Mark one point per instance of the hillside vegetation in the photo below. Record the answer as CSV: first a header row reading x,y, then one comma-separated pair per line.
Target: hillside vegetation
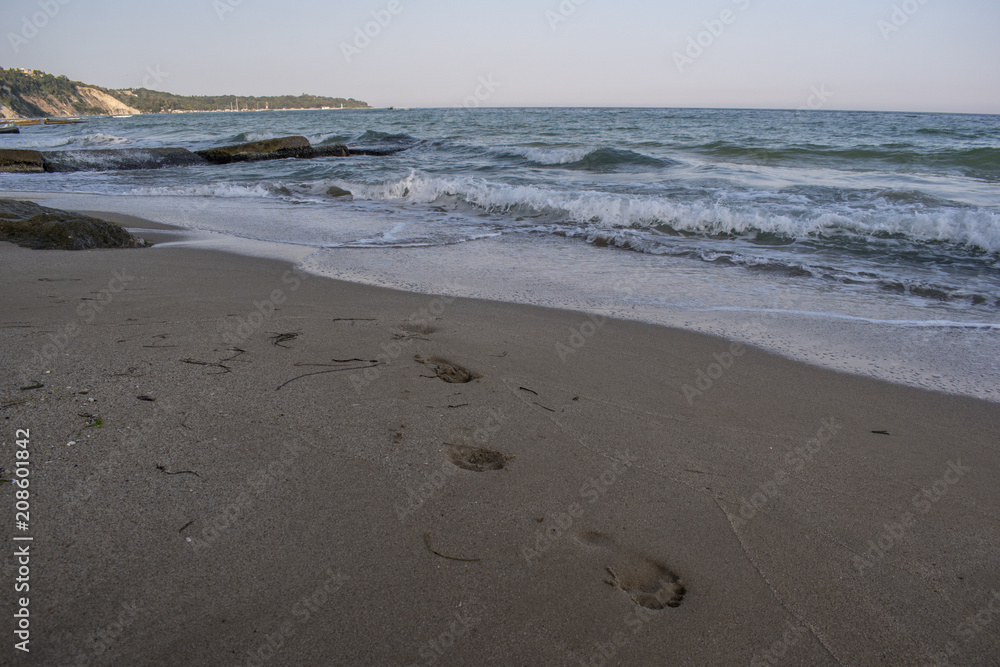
x,y
33,93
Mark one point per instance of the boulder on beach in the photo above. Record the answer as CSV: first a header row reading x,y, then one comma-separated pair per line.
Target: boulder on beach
x,y
269,149
32,226
16,161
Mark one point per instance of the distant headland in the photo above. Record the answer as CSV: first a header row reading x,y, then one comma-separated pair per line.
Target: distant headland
x,y
26,93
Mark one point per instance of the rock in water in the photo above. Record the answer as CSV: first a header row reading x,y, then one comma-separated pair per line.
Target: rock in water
x,y
334,191
106,159
32,226
330,150
269,149
14,161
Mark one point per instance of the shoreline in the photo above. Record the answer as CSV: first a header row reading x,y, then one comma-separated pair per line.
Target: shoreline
x,y
301,488
948,355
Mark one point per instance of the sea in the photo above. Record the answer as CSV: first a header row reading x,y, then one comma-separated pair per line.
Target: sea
x,y
863,242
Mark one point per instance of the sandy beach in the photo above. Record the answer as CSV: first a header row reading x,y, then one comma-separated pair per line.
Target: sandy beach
x,y
236,463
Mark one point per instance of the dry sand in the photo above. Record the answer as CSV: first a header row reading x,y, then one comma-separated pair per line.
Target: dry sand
x,y
572,504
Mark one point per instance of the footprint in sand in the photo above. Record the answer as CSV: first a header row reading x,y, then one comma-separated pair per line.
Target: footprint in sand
x,y
649,583
448,371
477,459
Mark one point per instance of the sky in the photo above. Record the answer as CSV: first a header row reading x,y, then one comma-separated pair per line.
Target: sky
x,y
891,55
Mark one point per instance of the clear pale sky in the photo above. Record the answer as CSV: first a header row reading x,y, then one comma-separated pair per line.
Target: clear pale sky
x,y
945,56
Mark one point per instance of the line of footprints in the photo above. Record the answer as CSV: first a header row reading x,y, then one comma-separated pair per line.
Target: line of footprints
x,y
649,583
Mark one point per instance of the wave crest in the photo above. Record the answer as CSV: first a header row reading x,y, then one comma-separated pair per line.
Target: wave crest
x,y
585,159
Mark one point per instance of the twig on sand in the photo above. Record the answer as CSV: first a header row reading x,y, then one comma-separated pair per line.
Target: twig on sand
x,y
543,407
332,370
427,543
37,385
278,339
161,337
220,363
303,364
179,472
353,319
881,433
408,336
530,391
187,525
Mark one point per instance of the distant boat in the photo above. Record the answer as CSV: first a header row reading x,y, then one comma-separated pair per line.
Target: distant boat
x,y
10,129
123,115
29,121
62,121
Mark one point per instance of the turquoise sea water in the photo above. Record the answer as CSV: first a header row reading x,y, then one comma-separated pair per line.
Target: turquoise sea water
x,y
868,242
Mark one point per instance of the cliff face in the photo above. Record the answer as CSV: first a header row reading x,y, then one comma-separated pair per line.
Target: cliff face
x,y
85,101
31,93
101,100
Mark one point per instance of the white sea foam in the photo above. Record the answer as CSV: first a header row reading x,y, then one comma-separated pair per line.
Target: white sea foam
x,y
215,189
98,140
547,156
968,226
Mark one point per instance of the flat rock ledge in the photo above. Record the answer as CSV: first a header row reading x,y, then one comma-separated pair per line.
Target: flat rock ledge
x,y
272,149
15,161
32,226
113,159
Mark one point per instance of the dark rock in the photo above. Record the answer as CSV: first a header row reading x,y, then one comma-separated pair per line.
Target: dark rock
x,y
15,161
269,149
378,151
107,159
32,226
334,191
331,150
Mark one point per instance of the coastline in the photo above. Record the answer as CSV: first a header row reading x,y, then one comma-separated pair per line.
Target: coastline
x,y
327,513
